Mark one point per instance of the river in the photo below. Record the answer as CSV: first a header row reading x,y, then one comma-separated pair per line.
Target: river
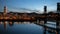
x,y
23,28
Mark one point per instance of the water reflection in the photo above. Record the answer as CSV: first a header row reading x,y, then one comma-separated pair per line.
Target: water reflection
x,y
11,23
57,27
5,24
42,29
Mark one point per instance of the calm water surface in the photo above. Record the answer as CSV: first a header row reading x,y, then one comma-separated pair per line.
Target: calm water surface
x,y
22,28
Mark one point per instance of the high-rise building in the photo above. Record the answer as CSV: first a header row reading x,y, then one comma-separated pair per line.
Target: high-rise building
x,y
45,9
58,7
5,10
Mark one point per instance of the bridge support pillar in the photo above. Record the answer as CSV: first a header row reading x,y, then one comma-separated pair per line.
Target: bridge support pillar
x,y
57,27
44,30
45,21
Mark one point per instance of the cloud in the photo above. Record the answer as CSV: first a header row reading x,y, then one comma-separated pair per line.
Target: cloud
x,y
22,10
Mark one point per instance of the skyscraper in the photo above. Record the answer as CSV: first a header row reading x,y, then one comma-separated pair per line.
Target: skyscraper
x,y
58,7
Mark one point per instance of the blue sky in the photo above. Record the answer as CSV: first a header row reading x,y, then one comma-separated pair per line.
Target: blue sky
x,y
29,4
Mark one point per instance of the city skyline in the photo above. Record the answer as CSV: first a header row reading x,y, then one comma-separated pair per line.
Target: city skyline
x,y
35,5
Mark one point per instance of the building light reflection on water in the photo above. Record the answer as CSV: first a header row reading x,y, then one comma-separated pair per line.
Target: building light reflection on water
x,y
12,23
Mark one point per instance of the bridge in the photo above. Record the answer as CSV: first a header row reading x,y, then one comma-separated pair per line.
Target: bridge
x,y
16,16
34,17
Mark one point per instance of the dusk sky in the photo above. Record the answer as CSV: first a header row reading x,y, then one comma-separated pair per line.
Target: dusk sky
x,y
29,4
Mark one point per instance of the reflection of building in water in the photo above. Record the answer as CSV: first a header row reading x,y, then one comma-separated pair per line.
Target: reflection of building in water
x,y
11,23
58,7
5,24
1,23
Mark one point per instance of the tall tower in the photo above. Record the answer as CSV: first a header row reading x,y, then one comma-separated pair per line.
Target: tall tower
x,y
45,9
5,10
58,7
